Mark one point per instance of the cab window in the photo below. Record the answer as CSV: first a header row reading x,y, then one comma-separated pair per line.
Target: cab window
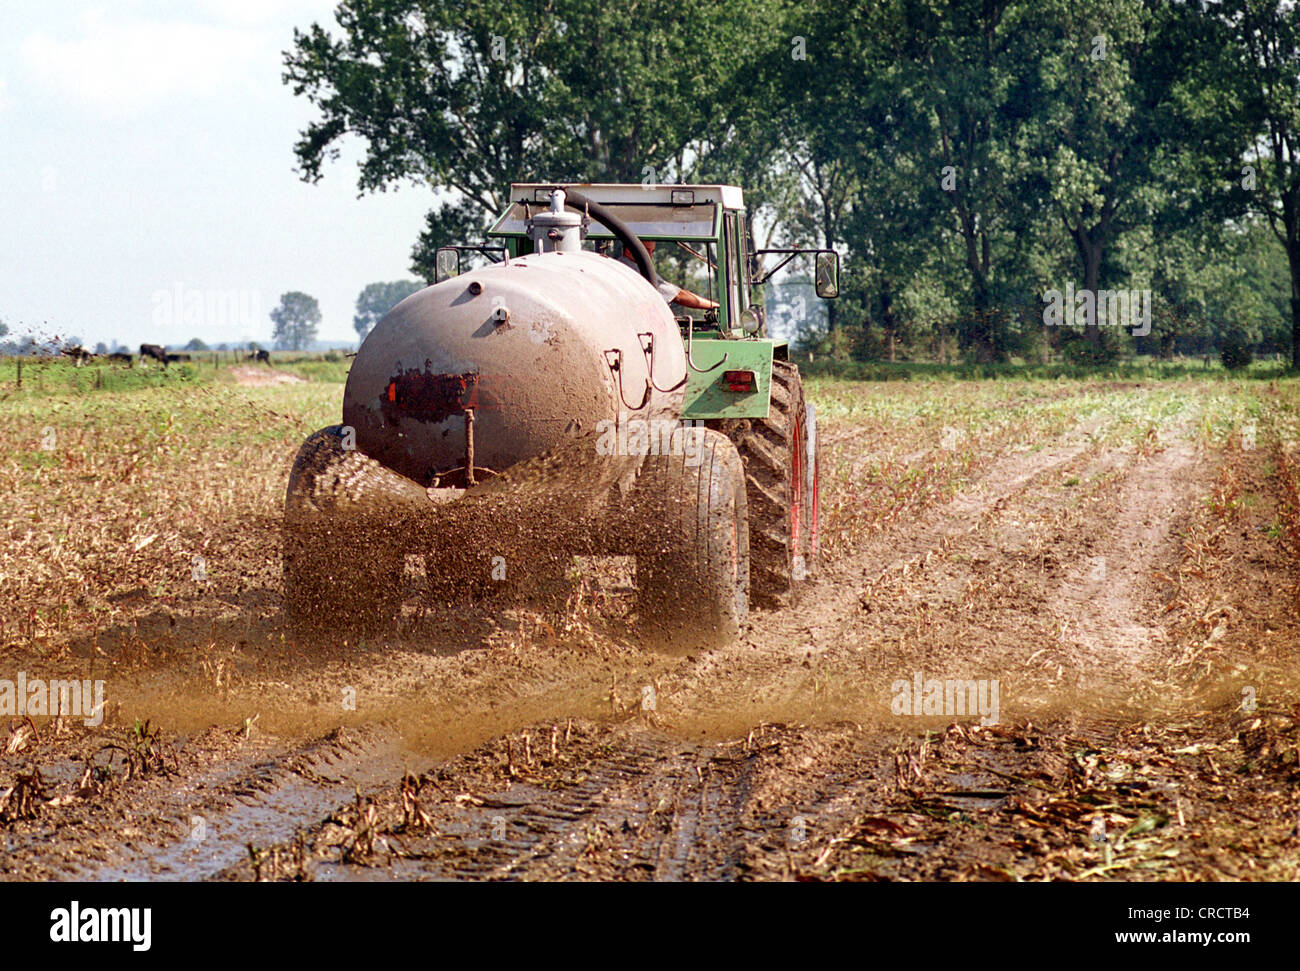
x,y
736,295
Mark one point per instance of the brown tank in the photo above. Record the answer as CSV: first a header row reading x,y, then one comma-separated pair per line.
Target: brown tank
x,y
506,361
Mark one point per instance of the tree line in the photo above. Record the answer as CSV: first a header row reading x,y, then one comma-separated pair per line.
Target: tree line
x,y
297,317
969,157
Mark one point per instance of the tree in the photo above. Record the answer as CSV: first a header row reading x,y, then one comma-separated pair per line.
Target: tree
x,y
469,96
196,344
1266,34
911,159
296,320
1130,120
379,298
977,63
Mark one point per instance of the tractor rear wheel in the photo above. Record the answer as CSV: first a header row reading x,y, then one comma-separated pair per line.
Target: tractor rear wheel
x,y
692,576
782,489
339,576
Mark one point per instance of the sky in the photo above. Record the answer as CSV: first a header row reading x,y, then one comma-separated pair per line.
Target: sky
x,y
147,183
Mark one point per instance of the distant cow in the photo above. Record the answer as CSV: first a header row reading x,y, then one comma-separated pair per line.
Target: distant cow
x,y
172,358
263,356
121,357
156,351
78,354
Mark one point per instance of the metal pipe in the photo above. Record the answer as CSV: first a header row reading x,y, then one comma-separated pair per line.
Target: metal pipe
x,y
630,241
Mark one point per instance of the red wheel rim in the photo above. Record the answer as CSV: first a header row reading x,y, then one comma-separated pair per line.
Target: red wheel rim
x,y
796,496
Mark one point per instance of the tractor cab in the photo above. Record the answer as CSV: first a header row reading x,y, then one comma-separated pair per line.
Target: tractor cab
x,y
693,224
705,245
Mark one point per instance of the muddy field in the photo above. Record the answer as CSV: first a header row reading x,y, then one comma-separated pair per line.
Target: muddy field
x,y
1114,565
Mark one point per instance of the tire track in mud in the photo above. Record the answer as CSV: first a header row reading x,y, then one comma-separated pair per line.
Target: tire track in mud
x,y
1107,611
1012,599
610,803
262,806
193,824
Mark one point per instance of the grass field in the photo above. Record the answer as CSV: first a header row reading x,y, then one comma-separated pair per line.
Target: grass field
x,y
58,375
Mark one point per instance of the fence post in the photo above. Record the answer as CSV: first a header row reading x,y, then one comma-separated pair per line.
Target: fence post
x,y
20,371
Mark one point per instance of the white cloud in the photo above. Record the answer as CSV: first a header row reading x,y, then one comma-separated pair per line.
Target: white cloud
x,y
130,65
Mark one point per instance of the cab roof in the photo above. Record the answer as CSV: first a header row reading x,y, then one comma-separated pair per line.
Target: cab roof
x,y
683,212
729,196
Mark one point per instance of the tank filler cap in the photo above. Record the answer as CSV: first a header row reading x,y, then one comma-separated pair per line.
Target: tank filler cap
x,y
556,230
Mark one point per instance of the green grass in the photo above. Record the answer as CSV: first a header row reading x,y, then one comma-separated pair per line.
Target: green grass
x,y
45,376
1137,369
329,368
53,376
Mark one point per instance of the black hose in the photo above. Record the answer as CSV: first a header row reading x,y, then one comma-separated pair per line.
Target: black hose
x,y
631,243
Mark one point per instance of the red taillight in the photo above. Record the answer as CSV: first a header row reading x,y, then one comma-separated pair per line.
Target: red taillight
x,y
742,381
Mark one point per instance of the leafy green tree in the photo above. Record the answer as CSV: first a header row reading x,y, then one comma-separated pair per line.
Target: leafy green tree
x,y
926,100
1266,36
296,320
1121,122
196,344
468,96
379,298
803,143
967,70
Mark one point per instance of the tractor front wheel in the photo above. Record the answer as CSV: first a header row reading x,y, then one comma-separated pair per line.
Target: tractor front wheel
x,y
779,453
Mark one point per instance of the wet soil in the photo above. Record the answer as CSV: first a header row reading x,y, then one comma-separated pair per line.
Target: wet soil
x,y
1126,609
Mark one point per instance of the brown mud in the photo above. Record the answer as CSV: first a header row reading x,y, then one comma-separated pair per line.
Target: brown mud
x,y
1134,597
261,376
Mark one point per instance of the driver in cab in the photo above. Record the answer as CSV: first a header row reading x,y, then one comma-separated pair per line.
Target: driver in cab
x,y
670,291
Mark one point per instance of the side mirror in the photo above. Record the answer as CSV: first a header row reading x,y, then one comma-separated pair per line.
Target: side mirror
x,y
446,263
828,274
